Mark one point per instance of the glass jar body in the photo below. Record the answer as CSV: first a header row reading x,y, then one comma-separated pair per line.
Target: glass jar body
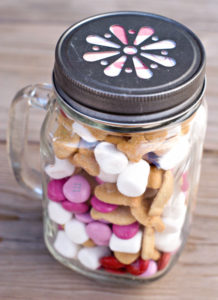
x,y
117,206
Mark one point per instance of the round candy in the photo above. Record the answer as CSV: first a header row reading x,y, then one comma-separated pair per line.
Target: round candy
x,y
138,267
163,261
110,262
126,231
85,218
151,270
75,207
100,233
77,189
55,190
102,206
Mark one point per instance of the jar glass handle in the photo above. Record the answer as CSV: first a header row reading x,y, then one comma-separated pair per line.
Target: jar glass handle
x,y
36,96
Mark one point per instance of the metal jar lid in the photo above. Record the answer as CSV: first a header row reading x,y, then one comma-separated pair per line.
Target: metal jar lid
x,y
129,67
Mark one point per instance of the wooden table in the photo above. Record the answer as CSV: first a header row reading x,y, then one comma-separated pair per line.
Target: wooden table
x,y
29,31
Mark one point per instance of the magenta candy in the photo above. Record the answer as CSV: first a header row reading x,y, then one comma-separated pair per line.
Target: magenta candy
x,y
151,270
102,206
84,218
75,207
99,180
126,231
100,233
55,189
77,189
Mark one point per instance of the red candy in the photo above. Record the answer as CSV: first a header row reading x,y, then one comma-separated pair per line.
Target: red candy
x,y
163,261
120,271
111,263
138,267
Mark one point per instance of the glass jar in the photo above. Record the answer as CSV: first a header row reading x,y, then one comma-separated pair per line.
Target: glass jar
x,y
121,145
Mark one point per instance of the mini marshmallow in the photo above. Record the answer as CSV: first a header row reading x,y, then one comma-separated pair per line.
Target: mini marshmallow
x,y
60,169
90,257
85,145
83,132
132,182
64,246
112,178
110,159
167,242
76,231
175,155
57,213
132,245
175,207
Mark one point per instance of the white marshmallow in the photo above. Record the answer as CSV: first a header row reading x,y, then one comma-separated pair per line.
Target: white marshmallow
x,y
174,225
57,213
110,159
132,245
175,207
90,257
132,182
60,169
167,242
64,246
175,155
76,231
83,132
107,177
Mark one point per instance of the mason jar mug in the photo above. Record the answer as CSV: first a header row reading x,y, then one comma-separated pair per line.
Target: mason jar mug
x,y
121,144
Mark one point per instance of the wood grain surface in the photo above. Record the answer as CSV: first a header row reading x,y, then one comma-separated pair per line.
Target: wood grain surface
x,y
29,30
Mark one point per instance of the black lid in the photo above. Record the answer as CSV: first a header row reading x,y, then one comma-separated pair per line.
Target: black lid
x,y
129,63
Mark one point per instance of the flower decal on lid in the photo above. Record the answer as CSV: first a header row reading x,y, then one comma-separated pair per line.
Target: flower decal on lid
x,y
136,51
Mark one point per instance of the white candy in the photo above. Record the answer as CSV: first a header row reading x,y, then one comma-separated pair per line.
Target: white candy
x,y
76,231
64,246
110,159
132,245
175,155
167,242
107,177
132,182
83,132
57,213
90,257
60,169
175,207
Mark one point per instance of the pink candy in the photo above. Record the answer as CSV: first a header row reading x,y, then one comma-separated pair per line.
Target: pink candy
x,y
151,270
126,231
75,207
77,189
84,218
55,189
102,206
100,233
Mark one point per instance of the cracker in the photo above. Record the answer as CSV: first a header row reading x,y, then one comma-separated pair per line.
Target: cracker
x,y
126,258
140,213
86,160
64,143
108,192
65,122
119,216
155,178
156,255
113,139
185,126
89,243
97,133
163,195
136,147
148,243
156,135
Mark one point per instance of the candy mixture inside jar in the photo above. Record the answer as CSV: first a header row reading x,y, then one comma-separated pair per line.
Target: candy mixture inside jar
x,y
119,202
